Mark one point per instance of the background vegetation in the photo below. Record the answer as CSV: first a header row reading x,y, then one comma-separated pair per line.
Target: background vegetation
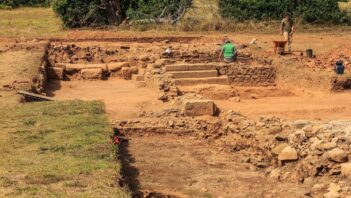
x,y
93,13
200,15
310,11
16,3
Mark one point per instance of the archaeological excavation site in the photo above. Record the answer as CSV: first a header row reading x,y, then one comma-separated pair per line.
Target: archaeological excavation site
x,y
188,125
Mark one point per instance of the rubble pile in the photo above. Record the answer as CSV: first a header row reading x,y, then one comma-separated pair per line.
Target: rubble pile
x,y
328,60
301,151
71,53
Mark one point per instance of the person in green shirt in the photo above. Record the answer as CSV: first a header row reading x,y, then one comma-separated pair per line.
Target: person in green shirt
x,y
228,52
287,29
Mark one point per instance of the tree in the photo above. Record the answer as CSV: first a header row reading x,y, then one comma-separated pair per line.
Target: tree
x,y
92,13
114,12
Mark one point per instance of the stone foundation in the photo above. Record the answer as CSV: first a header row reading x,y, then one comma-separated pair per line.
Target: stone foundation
x,y
249,75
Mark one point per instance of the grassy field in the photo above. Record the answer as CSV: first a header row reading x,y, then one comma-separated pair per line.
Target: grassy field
x,y
57,149
29,22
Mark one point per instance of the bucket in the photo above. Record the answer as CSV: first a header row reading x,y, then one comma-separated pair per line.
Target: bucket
x,y
339,68
309,53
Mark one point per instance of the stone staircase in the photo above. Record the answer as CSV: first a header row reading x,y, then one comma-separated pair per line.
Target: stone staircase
x,y
194,74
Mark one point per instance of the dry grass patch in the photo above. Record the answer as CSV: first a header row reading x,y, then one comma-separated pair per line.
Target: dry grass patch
x,y
29,22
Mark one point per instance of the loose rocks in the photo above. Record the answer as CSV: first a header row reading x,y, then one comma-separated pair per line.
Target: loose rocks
x,y
336,155
288,154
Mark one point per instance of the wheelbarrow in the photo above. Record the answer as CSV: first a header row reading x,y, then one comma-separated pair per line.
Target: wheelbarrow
x,y
279,47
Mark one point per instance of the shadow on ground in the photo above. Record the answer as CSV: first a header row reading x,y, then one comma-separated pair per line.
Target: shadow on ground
x,y
129,172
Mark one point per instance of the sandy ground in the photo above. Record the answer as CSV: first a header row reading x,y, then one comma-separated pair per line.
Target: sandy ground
x,y
123,99
305,107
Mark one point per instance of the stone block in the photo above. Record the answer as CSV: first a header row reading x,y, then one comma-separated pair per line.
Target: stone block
x,y
346,170
75,67
137,77
279,148
60,65
97,66
141,71
91,74
133,61
198,108
142,64
55,73
288,154
113,67
126,73
336,155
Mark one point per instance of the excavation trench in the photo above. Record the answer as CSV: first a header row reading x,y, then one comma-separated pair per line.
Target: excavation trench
x,y
176,156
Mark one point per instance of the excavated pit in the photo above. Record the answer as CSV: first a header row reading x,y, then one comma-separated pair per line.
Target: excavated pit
x,y
195,157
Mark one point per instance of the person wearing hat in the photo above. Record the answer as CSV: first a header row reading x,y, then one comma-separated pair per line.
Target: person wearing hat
x,y
228,52
287,29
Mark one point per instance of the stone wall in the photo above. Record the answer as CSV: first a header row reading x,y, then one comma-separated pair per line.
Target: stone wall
x,y
249,75
39,82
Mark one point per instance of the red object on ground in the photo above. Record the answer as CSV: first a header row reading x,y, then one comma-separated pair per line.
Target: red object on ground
x,y
279,46
116,140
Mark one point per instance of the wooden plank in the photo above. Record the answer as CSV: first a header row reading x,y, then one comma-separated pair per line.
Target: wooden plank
x,y
35,96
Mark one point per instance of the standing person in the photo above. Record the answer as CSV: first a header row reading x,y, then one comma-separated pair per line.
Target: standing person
x,y
228,52
287,29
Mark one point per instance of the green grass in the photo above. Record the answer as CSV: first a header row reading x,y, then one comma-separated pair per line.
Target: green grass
x,y
57,149
29,22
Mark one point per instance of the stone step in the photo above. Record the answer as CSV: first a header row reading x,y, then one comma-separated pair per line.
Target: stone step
x,y
194,74
138,77
190,67
221,80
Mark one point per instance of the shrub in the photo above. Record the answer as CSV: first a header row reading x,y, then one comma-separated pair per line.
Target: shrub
x,y
80,13
16,3
320,11
151,9
8,3
311,11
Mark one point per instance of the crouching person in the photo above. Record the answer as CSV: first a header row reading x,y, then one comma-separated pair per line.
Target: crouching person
x,y
228,52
